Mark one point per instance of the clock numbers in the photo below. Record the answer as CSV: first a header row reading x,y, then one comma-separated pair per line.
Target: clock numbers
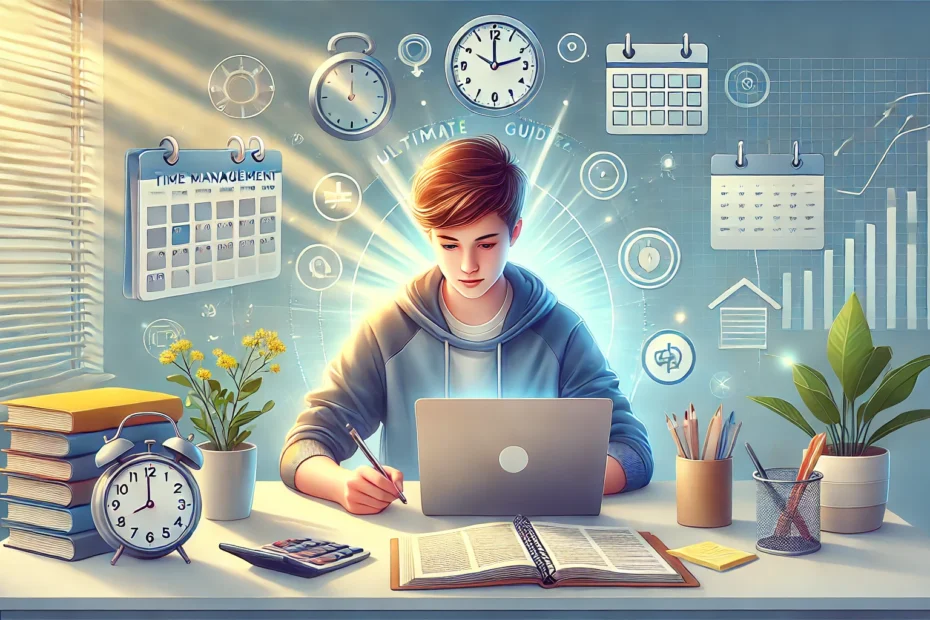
x,y
144,501
494,65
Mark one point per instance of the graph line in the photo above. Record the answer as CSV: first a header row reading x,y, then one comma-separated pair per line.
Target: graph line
x,y
885,154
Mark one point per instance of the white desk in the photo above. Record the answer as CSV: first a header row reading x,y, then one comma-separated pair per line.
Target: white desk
x,y
884,574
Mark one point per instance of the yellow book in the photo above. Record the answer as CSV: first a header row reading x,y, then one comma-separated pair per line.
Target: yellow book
x,y
713,556
90,410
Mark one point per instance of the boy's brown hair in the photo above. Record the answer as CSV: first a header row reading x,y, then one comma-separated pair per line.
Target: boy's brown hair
x,y
465,180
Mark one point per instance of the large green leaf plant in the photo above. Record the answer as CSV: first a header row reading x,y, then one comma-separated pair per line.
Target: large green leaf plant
x,y
857,364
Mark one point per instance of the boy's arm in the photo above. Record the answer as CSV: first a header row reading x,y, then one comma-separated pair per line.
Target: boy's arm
x,y
585,374
353,393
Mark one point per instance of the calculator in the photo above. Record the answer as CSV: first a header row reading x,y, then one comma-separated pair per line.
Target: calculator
x,y
658,91
303,557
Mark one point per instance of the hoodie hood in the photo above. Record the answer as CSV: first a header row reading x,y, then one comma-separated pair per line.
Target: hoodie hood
x,y
531,301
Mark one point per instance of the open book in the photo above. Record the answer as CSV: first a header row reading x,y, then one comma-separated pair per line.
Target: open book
x,y
548,554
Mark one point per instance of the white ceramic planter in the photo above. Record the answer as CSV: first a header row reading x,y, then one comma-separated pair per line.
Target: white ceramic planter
x,y
227,481
854,491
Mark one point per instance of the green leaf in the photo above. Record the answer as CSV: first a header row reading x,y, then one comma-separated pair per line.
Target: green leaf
x,y
815,393
244,418
180,380
268,406
899,421
895,387
250,387
239,439
823,380
785,410
849,345
214,386
204,429
875,363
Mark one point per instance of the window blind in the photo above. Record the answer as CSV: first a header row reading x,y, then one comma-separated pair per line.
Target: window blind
x,y
51,215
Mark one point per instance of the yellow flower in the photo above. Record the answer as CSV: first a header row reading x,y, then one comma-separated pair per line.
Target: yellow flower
x,y
249,341
180,345
260,333
227,362
167,357
203,374
218,352
196,356
275,368
276,346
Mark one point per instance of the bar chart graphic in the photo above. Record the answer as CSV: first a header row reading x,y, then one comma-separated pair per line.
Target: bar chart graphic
x,y
902,236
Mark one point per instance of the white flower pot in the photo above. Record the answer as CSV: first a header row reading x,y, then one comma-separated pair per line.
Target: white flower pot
x,y
854,491
227,481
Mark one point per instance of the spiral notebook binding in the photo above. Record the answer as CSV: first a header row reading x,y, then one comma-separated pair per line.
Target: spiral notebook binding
x,y
537,552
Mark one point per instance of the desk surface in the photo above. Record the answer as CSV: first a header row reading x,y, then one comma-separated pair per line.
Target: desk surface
x,y
884,570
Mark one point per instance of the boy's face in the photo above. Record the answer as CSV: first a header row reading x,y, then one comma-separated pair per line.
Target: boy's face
x,y
472,257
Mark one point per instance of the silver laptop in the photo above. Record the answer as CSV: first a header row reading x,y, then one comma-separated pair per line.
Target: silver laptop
x,y
530,456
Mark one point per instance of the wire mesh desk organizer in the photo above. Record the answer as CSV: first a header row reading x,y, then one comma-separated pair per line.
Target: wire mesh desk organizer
x,y
787,512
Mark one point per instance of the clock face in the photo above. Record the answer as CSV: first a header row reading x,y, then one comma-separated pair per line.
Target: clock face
x,y
495,67
352,96
150,504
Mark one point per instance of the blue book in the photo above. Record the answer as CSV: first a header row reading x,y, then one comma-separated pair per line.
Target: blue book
x,y
49,516
62,445
72,469
69,547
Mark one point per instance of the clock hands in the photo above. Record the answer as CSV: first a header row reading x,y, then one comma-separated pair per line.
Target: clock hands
x,y
507,62
494,53
148,500
352,90
490,62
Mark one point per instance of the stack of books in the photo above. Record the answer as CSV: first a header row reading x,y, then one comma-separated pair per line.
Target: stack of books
x,y
50,465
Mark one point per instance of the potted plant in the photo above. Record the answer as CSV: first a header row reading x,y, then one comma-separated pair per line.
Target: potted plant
x,y
227,479
855,471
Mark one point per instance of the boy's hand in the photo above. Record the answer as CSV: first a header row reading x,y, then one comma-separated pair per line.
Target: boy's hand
x,y
367,492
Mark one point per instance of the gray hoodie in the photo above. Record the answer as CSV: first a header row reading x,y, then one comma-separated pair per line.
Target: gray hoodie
x,y
401,354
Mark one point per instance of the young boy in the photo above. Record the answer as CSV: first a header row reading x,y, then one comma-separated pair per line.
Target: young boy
x,y
473,326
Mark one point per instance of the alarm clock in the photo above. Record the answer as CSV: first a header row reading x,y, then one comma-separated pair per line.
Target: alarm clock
x,y
495,65
147,504
351,93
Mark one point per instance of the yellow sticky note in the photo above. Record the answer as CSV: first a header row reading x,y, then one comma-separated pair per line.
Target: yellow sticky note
x,y
713,556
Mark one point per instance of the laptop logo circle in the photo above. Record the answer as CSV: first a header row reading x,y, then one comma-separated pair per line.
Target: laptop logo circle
x,y
513,459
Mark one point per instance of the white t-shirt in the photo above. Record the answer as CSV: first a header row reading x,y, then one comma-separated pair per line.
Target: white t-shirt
x,y
473,374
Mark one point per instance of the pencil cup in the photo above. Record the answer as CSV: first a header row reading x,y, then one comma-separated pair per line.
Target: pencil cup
x,y
704,492
787,512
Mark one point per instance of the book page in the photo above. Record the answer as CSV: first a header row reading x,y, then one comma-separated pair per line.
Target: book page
x,y
468,550
568,546
606,548
628,552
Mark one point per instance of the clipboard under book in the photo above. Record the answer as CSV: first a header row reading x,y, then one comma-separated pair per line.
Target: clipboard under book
x,y
641,548
201,219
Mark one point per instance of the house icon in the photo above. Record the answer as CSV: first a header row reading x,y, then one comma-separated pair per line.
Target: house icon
x,y
744,327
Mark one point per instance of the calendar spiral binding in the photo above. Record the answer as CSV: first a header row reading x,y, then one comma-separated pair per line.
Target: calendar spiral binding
x,y
629,52
535,547
796,160
173,150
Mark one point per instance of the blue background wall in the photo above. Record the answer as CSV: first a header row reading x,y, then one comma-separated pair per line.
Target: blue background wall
x,y
833,67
